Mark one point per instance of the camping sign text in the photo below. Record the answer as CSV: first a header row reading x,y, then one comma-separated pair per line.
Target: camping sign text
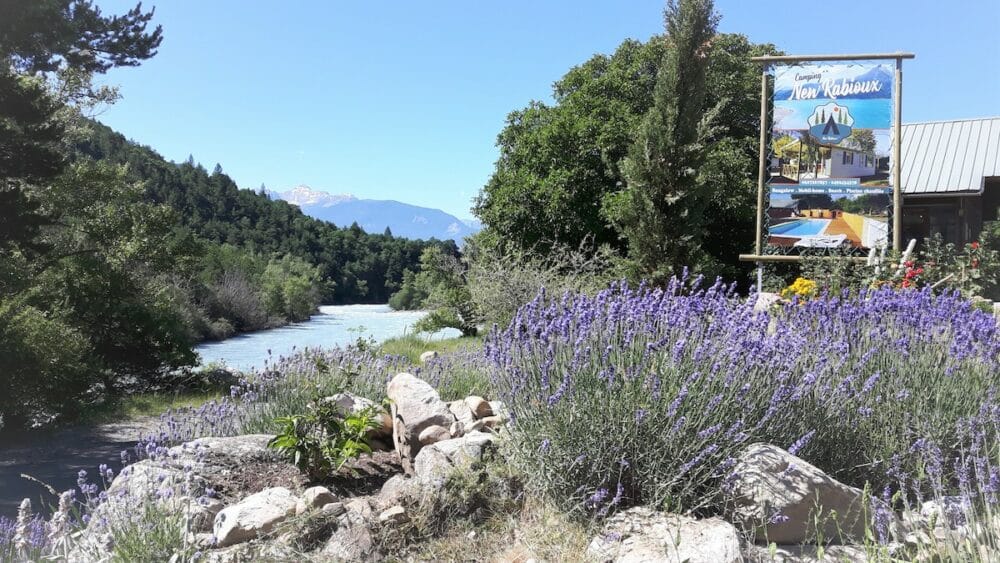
x,y
829,170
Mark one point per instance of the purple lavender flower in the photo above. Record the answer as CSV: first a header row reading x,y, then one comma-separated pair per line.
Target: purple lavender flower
x,y
802,442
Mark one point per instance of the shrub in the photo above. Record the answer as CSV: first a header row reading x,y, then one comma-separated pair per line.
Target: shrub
x,y
638,395
501,282
323,440
45,366
973,269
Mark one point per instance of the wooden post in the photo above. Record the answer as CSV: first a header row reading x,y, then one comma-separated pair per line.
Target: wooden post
x,y
762,171
897,151
762,164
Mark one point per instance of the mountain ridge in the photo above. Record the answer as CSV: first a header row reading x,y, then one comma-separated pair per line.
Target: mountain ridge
x,y
375,215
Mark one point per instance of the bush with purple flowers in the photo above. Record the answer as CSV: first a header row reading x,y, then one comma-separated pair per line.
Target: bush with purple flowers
x,y
640,395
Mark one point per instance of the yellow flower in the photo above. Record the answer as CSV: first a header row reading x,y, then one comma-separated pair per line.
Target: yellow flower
x,y
802,287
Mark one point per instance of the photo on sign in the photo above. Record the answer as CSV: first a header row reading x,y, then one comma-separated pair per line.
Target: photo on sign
x,y
830,152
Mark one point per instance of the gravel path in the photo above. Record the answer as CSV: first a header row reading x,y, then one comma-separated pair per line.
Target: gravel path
x,y
56,457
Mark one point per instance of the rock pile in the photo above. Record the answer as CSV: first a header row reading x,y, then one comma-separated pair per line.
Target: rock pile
x,y
781,506
196,480
420,418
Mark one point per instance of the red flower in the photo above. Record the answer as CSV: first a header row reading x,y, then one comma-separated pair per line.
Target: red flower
x,y
975,262
975,245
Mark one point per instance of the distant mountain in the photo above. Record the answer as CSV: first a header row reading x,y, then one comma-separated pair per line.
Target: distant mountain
x,y
374,215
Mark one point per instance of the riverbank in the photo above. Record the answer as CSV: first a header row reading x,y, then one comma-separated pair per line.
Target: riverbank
x,y
55,456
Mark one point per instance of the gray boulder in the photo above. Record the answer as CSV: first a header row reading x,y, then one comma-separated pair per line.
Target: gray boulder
x,y
254,516
435,461
781,498
642,534
416,406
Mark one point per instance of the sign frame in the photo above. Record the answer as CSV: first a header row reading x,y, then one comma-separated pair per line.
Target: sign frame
x,y
897,134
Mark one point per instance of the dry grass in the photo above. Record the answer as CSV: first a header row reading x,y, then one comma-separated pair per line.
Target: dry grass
x,y
537,531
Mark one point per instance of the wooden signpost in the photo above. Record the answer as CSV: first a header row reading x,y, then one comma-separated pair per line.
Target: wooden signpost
x,y
762,170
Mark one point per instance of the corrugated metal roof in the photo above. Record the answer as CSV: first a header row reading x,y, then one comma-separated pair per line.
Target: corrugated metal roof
x,y
950,156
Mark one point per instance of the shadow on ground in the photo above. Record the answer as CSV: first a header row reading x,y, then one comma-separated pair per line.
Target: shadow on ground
x,y
56,457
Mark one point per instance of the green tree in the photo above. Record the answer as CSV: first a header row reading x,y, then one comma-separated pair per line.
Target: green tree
x,y
441,287
291,287
863,139
662,210
559,162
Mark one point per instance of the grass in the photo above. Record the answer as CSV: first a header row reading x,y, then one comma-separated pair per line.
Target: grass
x,y
412,345
148,404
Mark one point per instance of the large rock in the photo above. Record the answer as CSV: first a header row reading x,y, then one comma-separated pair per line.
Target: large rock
x,y
781,498
435,461
642,534
416,406
805,554
215,458
353,404
176,481
254,516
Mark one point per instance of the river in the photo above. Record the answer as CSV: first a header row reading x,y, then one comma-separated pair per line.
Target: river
x,y
56,457
334,325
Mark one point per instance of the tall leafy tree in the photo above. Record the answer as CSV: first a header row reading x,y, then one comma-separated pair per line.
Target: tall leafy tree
x,y
70,310
559,163
662,210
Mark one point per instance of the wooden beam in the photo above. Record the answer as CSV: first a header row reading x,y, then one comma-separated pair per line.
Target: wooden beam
x,y
794,258
897,156
806,58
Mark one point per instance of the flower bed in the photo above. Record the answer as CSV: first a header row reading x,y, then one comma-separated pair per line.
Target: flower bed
x,y
641,395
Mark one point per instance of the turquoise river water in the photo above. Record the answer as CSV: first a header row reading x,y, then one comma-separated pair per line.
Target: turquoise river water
x,y
334,325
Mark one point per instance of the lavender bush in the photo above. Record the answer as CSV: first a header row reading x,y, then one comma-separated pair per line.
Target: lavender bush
x,y
287,385
639,395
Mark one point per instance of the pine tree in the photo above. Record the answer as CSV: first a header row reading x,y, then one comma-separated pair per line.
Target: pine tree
x,y
661,211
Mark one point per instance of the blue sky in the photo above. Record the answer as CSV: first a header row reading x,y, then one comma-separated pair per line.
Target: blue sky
x,y
403,100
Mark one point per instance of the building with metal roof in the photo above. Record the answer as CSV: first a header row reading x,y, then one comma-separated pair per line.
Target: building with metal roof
x,y
950,177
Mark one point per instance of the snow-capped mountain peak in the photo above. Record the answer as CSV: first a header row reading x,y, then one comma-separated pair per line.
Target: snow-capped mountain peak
x,y
303,195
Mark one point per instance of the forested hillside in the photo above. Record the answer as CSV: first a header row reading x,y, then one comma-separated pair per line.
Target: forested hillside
x,y
363,268
113,261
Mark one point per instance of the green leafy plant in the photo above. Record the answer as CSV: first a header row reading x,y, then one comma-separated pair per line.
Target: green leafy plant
x,y
322,441
972,269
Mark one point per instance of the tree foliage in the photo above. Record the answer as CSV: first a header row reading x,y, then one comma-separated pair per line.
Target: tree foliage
x,y
441,286
662,210
561,164
361,267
